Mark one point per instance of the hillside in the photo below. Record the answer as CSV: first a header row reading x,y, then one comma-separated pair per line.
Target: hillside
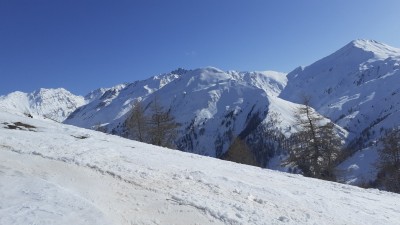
x,y
59,174
55,104
357,88
212,106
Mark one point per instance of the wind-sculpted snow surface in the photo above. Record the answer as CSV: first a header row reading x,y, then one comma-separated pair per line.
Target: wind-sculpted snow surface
x,y
59,174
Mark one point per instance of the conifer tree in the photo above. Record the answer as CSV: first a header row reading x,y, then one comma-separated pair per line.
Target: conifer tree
x,y
239,152
389,161
162,126
137,122
316,146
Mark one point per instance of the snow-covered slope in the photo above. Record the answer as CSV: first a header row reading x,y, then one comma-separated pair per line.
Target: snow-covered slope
x,y
212,106
108,105
55,104
357,87
354,86
52,173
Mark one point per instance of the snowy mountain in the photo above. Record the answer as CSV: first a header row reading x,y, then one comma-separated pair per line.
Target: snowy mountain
x,y
354,86
357,87
108,105
53,173
212,106
55,104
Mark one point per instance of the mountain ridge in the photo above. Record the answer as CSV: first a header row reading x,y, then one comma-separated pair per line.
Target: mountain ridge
x,y
200,99
354,87
55,104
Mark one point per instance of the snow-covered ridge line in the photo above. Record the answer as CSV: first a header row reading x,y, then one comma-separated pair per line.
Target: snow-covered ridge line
x,y
174,187
200,100
380,50
55,104
355,87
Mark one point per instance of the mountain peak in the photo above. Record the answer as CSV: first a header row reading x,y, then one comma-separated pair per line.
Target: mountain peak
x,y
44,91
380,50
179,71
353,54
363,42
55,104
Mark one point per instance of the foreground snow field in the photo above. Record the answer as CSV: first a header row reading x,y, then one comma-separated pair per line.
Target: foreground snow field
x,y
52,173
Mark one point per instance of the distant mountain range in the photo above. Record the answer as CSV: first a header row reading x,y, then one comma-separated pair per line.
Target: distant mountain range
x,y
357,88
55,104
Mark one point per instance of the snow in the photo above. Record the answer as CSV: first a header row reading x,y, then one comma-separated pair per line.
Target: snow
x,y
55,104
201,99
357,88
59,174
359,168
35,191
380,50
110,105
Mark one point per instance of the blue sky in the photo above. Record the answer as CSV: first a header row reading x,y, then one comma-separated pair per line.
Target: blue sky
x,y
82,45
